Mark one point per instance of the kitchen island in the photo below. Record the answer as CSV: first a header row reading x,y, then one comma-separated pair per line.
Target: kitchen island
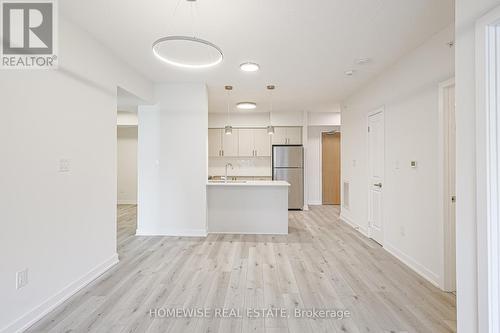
x,y
247,207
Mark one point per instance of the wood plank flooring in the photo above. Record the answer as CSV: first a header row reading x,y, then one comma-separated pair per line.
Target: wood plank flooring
x,y
322,264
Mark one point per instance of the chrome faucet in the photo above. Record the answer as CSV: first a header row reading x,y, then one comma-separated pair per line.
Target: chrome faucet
x,y
228,164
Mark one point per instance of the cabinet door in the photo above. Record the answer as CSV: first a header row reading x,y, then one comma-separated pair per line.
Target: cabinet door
x,y
279,136
214,142
294,135
230,143
246,144
262,142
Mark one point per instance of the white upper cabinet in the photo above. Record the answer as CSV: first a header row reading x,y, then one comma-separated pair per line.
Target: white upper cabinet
x,y
214,142
254,142
246,144
287,136
250,142
230,143
220,144
279,136
262,142
294,135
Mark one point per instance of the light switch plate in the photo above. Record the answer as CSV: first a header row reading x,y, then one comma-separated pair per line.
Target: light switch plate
x,y
64,165
21,279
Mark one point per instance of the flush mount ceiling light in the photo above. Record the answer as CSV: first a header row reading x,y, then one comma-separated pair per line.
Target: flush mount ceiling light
x,y
187,51
249,67
246,105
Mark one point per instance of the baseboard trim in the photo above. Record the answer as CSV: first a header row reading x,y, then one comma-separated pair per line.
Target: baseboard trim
x,y
173,232
30,318
413,264
355,226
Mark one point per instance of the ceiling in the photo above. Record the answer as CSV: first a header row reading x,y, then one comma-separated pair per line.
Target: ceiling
x,y
303,46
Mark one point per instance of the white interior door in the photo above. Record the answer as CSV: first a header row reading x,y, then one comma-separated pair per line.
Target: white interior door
x,y
376,156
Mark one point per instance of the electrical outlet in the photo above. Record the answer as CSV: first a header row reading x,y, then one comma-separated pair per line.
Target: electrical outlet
x,y
21,279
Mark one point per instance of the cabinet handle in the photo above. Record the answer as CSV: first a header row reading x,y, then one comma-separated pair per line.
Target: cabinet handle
x,y
256,153
223,153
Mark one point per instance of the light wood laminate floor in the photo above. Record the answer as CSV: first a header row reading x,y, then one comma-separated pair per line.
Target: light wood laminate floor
x,y
321,264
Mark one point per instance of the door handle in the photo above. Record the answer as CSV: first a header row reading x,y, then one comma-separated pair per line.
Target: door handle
x,y
379,185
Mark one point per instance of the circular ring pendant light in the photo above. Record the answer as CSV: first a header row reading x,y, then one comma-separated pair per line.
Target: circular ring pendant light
x,y
187,51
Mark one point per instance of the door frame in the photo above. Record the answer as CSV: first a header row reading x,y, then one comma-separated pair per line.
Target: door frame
x,y
487,168
444,191
380,110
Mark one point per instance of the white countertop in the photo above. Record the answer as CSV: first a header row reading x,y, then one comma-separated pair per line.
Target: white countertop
x,y
249,183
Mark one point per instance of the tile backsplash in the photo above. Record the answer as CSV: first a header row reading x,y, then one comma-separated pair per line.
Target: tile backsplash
x,y
243,167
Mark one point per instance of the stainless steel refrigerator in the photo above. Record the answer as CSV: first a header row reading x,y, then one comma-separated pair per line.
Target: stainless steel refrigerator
x,y
288,165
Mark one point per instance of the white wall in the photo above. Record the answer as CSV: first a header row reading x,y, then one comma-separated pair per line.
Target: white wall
x,y
173,141
60,226
314,172
127,164
323,119
409,92
467,12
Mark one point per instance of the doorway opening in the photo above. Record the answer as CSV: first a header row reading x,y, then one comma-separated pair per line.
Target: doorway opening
x,y
126,163
330,156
